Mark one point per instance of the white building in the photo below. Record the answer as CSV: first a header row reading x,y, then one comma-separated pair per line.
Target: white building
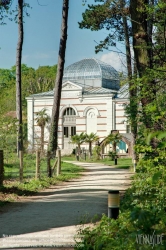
x,y
91,101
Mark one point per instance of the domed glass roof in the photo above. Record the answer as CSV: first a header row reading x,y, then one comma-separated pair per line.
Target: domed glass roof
x,y
91,69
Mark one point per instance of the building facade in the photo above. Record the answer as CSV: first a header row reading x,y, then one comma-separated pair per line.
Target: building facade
x,y
91,101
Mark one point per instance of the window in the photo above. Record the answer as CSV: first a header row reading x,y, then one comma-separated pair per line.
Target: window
x,y
73,131
66,132
69,111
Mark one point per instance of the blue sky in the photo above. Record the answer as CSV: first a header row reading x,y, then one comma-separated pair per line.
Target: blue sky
x,y
42,34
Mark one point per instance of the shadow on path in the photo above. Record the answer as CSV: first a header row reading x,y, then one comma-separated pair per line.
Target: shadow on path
x,y
65,205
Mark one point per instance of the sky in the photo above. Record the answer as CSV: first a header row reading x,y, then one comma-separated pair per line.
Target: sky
x,y
42,35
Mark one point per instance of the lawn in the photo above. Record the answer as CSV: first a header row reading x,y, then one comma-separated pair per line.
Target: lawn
x,y
12,188
125,163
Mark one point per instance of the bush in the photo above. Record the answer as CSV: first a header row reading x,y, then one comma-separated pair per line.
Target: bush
x,y
142,211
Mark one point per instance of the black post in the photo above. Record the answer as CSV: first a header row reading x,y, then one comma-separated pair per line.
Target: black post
x,y
113,204
116,160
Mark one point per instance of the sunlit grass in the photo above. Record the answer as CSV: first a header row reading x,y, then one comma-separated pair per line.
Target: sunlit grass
x,y
12,188
125,163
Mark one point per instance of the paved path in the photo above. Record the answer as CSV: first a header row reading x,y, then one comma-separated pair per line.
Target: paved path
x,y
53,216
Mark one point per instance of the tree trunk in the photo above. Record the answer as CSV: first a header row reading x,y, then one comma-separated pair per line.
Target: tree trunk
x,y
42,140
18,85
90,149
142,45
79,149
132,87
114,146
53,139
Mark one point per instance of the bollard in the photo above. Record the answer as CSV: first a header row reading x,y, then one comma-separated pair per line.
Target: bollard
x,y
116,160
113,204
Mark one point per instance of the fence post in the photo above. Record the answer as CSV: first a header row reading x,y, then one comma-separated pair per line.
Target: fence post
x,y
21,165
1,168
37,164
59,162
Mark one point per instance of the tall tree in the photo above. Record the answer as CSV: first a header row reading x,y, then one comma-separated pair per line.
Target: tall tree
x,y
18,85
113,16
53,138
142,26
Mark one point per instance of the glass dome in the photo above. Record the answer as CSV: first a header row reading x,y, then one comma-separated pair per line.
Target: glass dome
x,y
92,72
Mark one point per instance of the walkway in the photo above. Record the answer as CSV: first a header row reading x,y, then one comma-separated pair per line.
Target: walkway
x,y
53,217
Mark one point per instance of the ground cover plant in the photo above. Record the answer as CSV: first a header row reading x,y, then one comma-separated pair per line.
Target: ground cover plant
x,y
142,220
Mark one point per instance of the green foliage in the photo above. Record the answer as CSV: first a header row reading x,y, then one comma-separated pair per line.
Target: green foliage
x,y
78,140
8,131
42,118
106,15
142,210
112,155
113,138
90,139
33,81
97,152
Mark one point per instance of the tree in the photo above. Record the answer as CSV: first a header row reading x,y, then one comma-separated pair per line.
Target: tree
x,y
53,138
92,137
18,86
113,138
41,119
150,62
4,8
78,140
113,16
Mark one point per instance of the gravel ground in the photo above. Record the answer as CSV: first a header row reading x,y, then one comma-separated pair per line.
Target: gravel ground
x,y
52,218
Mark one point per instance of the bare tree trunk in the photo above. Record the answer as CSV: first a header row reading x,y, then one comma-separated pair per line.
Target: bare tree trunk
x,y
42,140
18,86
90,149
53,139
114,146
132,87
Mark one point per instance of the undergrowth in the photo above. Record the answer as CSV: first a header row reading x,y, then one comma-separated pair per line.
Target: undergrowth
x,y
142,215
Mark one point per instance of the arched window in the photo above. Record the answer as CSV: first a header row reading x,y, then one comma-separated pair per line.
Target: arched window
x,y
91,121
69,111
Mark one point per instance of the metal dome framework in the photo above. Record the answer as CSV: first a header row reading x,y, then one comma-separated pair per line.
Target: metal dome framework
x,y
92,69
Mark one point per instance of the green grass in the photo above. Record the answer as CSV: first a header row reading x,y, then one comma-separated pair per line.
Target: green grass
x,y
12,188
124,163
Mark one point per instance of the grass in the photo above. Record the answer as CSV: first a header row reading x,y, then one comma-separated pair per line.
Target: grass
x,y
12,188
124,163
